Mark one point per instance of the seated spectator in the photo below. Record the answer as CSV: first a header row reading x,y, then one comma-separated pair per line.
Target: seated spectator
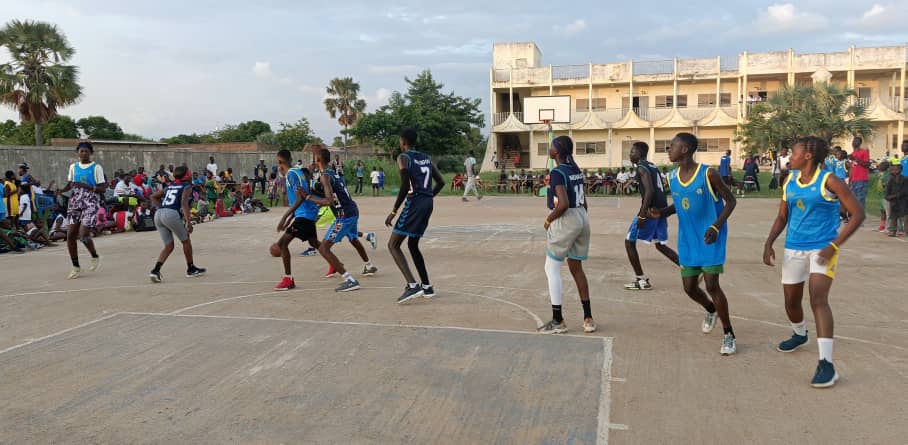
x,y
514,182
58,229
503,181
144,218
529,181
457,182
105,224
25,205
246,188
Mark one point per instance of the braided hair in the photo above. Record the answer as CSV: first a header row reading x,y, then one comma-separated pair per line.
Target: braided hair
x,y
564,146
819,148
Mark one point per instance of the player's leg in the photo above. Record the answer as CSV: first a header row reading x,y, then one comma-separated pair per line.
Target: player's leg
x,y
641,282
340,229
664,249
418,261
412,289
691,280
413,224
167,238
583,288
661,239
283,244
553,276
368,267
72,234
795,272
820,281
711,280
89,243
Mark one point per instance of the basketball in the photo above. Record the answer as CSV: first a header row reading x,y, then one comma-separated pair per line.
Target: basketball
x,y
275,250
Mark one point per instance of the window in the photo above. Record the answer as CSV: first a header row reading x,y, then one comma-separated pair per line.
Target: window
x,y
666,101
661,146
714,144
583,105
709,100
542,149
599,104
590,148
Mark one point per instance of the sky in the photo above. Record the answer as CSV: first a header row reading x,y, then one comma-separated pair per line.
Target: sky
x,y
167,67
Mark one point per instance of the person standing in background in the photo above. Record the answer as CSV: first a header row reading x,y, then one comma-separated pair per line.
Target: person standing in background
x,y
860,170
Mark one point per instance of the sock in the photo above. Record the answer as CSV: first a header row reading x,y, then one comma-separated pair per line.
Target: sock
x,y
288,276
412,285
75,262
369,264
347,276
553,273
711,308
94,255
190,266
426,285
800,328
825,347
641,277
587,312
157,266
728,331
556,313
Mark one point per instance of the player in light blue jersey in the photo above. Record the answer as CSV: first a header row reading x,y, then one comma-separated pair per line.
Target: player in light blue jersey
x,y
703,204
810,212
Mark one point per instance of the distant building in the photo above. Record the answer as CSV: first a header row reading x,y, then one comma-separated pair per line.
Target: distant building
x,y
616,104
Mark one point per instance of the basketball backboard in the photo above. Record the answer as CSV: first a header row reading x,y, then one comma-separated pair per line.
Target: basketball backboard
x,y
539,109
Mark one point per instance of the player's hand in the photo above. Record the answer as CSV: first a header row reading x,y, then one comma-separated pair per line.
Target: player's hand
x,y
711,235
389,221
769,255
546,225
188,227
825,255
654,213
641,221
280,224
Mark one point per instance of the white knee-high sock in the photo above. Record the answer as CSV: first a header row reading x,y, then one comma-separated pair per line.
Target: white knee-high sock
x,y
825,347
553,273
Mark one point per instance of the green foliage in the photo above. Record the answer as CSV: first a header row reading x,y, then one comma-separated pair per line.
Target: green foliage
x,y
244,132
35,82
61,127
293,137
446,123
7,130
337,142
136,137
343,103
183,139
24,134
823,110
98,127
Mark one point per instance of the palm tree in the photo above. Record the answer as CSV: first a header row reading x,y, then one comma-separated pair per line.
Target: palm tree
x,y
35,82
343,103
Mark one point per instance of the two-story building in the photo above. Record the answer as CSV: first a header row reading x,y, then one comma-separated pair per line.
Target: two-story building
x,y
616,104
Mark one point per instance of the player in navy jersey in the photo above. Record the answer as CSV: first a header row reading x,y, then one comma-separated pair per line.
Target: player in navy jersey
x,y
303,211
810,212
643,228
703,203
171,221
420,181
567,234
345,223
86,180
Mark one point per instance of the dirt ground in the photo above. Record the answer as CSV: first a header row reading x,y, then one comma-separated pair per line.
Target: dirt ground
x,y
112,358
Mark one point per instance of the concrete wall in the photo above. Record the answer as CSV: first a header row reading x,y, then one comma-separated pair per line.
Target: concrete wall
x,y
52,163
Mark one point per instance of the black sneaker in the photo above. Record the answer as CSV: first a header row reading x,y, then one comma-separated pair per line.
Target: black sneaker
x,y
410,293
825,376
428,291
193,272
155,276
793,343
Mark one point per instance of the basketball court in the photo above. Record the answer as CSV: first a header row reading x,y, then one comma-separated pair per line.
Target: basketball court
x,y
112,358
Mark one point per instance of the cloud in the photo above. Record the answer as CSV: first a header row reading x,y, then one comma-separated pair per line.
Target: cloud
x,y
882,16
475,47
577,26
381,96
785,17
309,89
875,11
368,38
262,70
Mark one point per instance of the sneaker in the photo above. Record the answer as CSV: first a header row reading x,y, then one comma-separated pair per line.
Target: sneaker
x,y
347,286
825,376
330,273
410,293
729,346
553,327
309,252
370,237
900,234
155,276
639,284
193,272
94,264
369,270
793,343
74,273
464,199
286,283
882,227
589,326
709,322
479,198
428,291
891,234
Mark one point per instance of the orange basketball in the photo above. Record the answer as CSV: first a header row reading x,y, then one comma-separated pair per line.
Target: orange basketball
x,y
275,250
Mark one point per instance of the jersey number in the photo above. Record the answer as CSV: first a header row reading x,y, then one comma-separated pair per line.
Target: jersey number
x,y
578,192
425,181
170,197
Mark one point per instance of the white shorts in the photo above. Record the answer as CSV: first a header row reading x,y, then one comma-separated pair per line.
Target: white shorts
x,y
799,264
569,236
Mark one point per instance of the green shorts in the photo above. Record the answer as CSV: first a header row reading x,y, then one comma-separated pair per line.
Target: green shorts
x,y
694,271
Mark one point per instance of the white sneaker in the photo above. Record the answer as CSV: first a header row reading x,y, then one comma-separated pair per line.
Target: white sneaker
x,y
709,322
94,264
589,326
74,273
729,346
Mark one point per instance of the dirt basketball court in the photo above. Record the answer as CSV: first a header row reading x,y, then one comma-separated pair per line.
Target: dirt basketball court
x,y
112,358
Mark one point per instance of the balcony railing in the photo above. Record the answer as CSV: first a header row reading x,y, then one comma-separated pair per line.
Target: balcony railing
x,y
654,67
611,115
695,114
570,72
653,114
501,75
864,101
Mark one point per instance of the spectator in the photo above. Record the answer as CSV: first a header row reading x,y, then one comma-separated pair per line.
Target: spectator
x,y
212,167
25,205
260,174
228,176
457,182
860,170
784,165
752,170
360,173
725,168
502,180
122,189
272,189
26,177
381,178
11,196
897,195
374,176
246,188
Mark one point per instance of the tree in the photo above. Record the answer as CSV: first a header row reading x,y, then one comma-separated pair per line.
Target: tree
x,y
36,82
7,130
823,110
98,127
337,142
446,123
181,139
343,103
244,132
294,136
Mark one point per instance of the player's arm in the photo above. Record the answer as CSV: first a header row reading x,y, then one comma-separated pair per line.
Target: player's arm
x,y
712,233
647,184
560,208
403,163
439,181
854,208
327,200
778,225
184,204
156,197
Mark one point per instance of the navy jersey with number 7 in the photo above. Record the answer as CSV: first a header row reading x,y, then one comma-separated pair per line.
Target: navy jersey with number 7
x,y
419,167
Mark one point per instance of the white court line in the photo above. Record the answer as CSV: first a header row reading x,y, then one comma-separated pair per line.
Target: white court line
x,y
535,317
691,311
288,293
359,323
129,286
603,424
35,340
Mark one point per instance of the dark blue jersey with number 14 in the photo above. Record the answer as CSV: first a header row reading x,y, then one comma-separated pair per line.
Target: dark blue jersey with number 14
x,y
419,167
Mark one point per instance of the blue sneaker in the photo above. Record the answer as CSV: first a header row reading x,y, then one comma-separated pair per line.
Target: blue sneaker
x,y
825,376
309,252
795,342
370,237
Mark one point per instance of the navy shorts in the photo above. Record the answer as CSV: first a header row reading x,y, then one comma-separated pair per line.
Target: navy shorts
x,y
653,230
414,218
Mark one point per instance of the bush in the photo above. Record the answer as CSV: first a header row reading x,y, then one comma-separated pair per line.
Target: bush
x,y
448,164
